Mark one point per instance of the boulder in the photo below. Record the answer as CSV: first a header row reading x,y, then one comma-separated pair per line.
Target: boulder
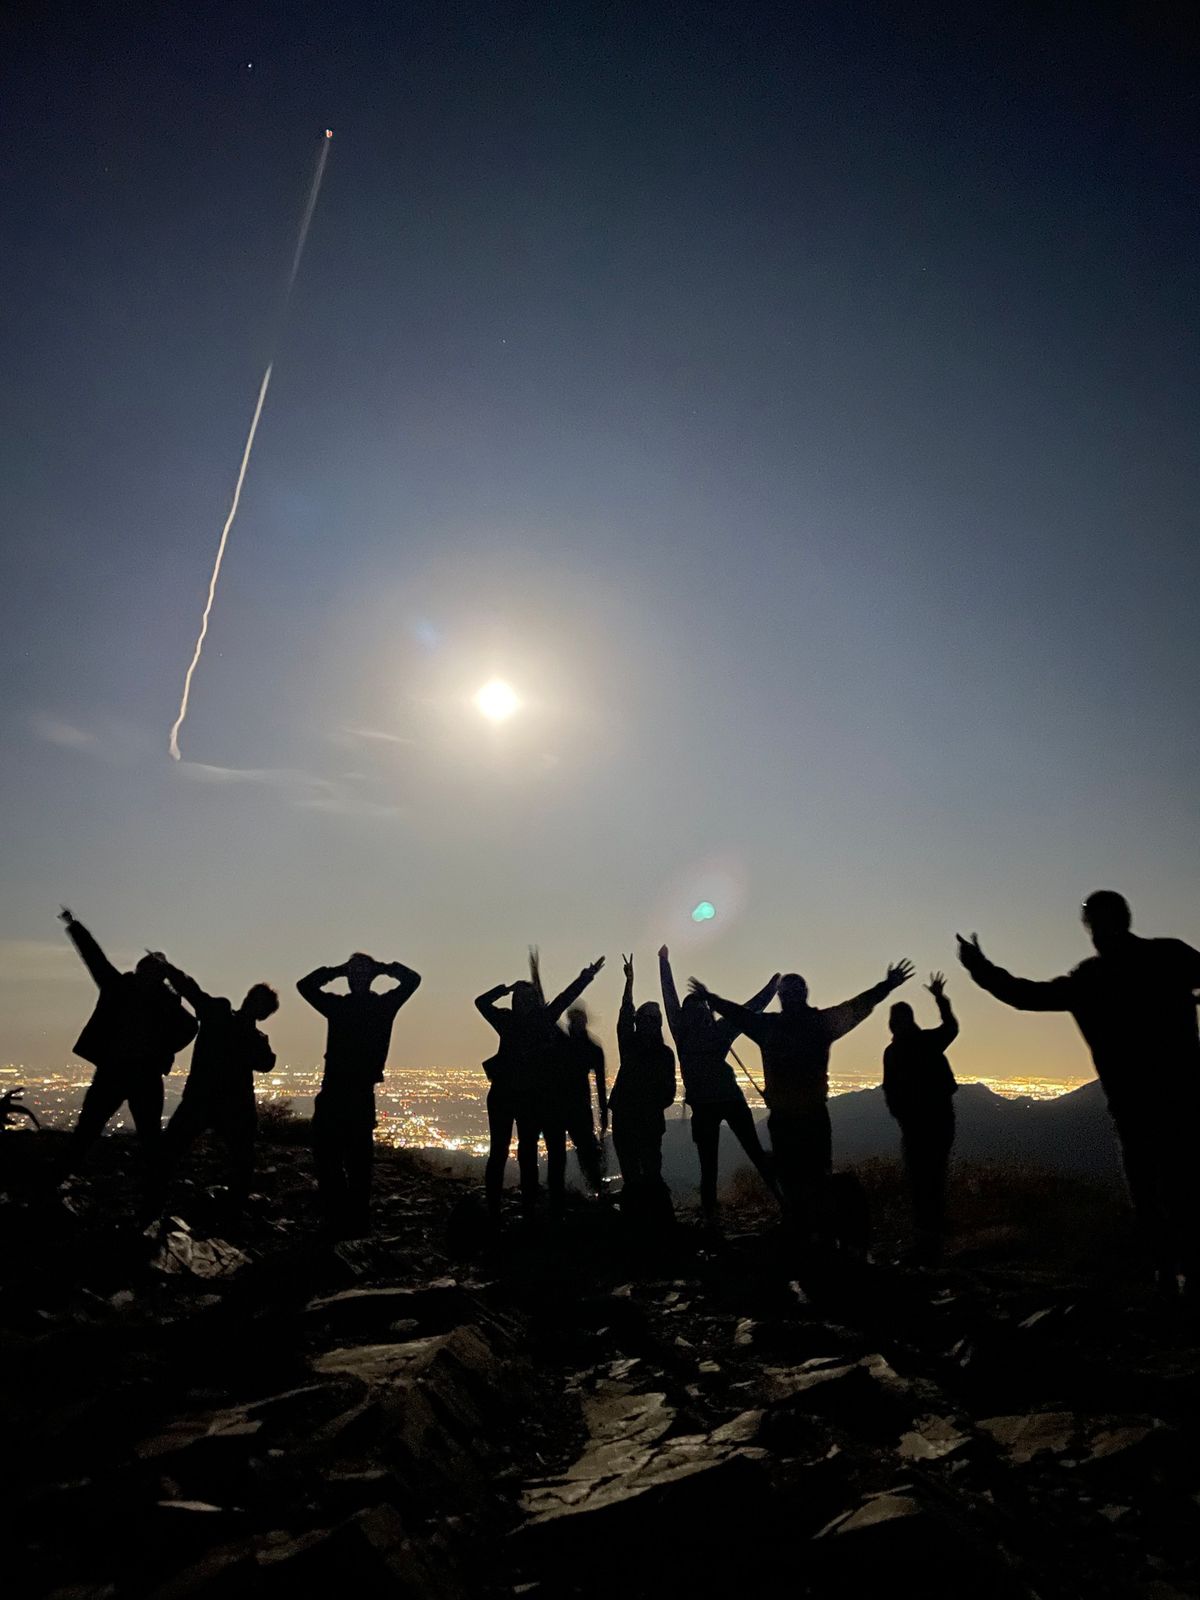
x,y
633,1480
1021,1438
433,1307
865,1396
433,1410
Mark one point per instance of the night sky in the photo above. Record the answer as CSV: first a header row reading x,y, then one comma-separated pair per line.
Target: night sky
x,y
797,405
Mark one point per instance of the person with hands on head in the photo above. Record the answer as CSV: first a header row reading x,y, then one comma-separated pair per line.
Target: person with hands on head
x,y
644,1089
219,1092
795,1042
710,1087
1134,1002
131,1039
356,1050
918,1087
524,1077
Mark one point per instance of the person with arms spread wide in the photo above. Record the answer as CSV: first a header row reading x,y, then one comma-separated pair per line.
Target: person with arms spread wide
x,y
1134,1001
795,1042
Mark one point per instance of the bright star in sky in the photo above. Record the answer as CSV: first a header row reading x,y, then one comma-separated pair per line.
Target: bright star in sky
x,y
497,700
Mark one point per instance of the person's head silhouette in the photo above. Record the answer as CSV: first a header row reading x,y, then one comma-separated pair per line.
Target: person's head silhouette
x,y
793,992
360,970
901,1019
524,997
577,1021
150,971
261,1002
1107,917
648,1018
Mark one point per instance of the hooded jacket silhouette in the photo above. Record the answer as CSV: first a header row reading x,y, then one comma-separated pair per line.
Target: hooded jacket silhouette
x,y
133,1020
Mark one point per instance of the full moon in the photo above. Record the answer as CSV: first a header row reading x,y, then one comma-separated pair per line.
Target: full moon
x,y
497,700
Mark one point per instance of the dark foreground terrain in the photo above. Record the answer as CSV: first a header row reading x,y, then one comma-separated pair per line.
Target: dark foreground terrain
x,y
242,1409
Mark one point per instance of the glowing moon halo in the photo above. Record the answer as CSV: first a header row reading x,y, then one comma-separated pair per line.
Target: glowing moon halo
x,y
497,700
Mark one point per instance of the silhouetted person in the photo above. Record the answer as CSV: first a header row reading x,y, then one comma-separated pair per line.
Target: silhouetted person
x,y
131,1039
219,1093
919,1087
709,1085
1134,1001
795,1043
356,1052
523,1075
644,1088
582,1060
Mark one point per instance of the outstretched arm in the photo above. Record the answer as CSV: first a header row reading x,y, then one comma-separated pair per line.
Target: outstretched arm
x,y
670,994
761,1000
1026,994
626,1014
840,1019
94,959
487,1008
312,988
738,1019
573,990
407,982
756,1002
947,1032
187,988
944,1035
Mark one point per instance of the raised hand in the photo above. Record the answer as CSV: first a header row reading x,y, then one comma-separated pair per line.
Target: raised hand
x,y
663,953
594,968
65,916
696,987
937,984
627,966
900,972
968,949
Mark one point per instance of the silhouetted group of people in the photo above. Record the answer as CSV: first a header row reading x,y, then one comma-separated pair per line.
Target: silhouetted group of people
x,y
140,1024
1134,1001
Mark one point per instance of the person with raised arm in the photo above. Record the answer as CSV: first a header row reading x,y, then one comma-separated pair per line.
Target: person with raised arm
x,y
643,1091
1134,1002
356,1051
524,1083
711,1090
918,1087
583,1060
219,1092
795,1042
131,1039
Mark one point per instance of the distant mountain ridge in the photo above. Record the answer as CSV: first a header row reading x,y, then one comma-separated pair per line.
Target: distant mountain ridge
x,y
1072,1133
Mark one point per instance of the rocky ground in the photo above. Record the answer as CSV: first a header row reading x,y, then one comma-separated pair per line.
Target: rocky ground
x,y
239,1407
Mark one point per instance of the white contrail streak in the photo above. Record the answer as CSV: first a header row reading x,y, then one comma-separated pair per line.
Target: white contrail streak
x,y
305,221
216,571
309,208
